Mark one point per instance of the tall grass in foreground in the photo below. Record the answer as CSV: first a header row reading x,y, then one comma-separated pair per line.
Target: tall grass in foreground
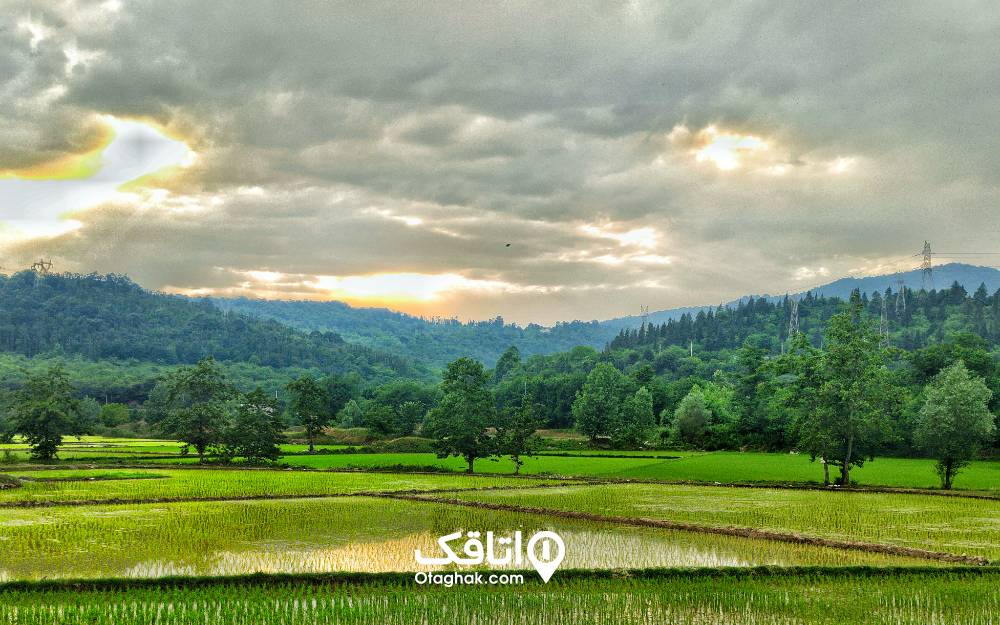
x,y
919,599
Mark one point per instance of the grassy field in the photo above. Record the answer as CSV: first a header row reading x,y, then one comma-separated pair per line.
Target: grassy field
x,y
754,598
189,544
215,483
951,524
704,467
344,534
723,467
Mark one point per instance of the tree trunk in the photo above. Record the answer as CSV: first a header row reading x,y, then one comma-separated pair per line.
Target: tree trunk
x,y
471,460
517,464
948,474
826,471
845,469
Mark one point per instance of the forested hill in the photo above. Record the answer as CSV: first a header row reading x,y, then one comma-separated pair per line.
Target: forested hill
x,y
111,317
914,319
436,342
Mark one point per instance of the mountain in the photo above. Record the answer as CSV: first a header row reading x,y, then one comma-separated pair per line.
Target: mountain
x,y
969,276
437,342
102,317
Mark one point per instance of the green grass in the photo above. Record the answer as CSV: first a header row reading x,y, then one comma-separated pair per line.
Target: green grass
x,y
703,467
343,534
952,524
756,598
203,483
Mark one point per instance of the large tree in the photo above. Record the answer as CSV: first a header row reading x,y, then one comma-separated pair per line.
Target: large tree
x,y
310,405
516,432
198,398
634,421
856,396
597,404
955,421
44,409
459,424
257,427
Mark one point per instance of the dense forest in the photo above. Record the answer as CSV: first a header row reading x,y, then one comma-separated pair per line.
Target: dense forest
x,y
725,378
435,342
102,317
913,319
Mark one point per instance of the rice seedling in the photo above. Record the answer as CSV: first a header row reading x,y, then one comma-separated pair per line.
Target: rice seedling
x,y
758,599
341,534
952,524
209,483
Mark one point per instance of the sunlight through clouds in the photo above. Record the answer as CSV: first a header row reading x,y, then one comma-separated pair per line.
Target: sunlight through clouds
x,y
36,205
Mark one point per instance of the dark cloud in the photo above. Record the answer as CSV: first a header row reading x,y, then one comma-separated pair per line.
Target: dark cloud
x,y
419,137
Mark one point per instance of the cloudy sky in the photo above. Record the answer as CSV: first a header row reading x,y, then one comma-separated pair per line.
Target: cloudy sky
x,y
385,153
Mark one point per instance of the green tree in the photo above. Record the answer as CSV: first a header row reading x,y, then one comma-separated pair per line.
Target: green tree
x,y
381,419
517,433
409,415
113,415
198,398
705,418
598,402
45,408
955,421
459,422
88,415
352,416
634,421
311,406
691,419
7,432
856,397
508,362
752,425
340,389
257,427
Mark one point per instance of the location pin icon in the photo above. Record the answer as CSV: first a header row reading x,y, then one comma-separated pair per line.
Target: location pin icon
x,y
547,562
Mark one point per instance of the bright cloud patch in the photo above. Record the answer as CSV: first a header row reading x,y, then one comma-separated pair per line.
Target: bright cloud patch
x,y
726,150
401,287
34,206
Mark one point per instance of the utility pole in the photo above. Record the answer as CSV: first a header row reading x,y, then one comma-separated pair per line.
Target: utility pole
x,y
793,320
927,277
883,327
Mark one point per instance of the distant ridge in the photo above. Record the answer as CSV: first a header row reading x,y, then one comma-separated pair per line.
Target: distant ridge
x,y
436,343
969,276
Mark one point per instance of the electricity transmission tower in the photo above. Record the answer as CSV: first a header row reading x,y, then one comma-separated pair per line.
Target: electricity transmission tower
x,y
793,320
645,316
900,296
41,266
927,278
883,326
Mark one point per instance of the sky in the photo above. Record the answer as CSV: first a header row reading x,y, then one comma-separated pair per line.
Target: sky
x,y
539,161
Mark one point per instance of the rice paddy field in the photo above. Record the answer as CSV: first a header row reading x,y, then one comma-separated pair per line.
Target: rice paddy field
x,y
760,598
139,540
